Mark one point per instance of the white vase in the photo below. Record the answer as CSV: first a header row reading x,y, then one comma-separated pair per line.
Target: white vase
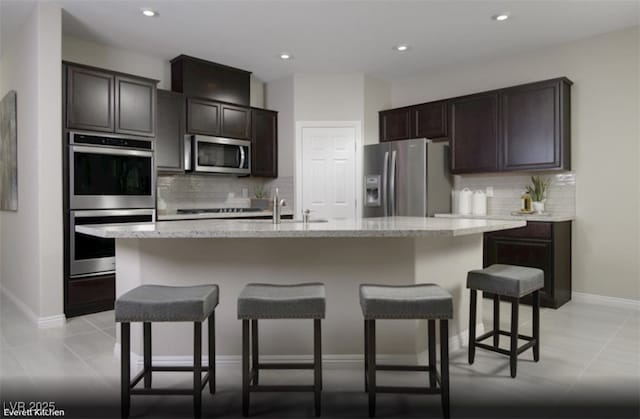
x,y
538,206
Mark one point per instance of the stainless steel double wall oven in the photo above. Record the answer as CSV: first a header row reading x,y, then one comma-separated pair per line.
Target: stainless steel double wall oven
x,y
111,180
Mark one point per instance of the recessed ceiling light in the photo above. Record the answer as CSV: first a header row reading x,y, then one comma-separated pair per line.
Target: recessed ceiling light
x,y
149,12
401,48
500,17
285,56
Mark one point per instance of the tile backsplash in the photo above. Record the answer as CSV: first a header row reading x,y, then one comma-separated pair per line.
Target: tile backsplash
x,y
508,188
206,191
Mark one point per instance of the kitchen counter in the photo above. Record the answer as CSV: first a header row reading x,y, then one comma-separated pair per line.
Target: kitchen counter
x,y
341,254
362,227
172,216
551,218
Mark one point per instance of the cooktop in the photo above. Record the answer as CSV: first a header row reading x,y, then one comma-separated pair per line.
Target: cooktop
x,y
216,210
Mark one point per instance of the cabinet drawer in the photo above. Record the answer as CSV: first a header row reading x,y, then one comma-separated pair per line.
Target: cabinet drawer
x,y
91,290
533,230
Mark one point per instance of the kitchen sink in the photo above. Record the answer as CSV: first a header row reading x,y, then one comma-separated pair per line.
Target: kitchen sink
x,y
282,221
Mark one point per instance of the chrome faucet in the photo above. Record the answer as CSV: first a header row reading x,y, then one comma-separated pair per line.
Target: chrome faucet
x,y
277,207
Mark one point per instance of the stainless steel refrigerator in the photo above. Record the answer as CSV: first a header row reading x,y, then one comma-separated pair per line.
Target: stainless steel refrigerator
x,y
407,178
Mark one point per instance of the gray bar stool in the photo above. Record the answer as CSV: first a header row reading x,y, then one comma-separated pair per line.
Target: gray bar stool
x,y
270,301
158,303
423,301
507,283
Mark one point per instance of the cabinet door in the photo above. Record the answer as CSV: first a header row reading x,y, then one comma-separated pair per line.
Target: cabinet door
x,y
531,127
236,122
170,132
90,99
395,124
264,143
430,121
531,253
135,106
203,117
474,134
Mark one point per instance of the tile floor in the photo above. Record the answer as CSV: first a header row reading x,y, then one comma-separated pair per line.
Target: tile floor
x,y
589,367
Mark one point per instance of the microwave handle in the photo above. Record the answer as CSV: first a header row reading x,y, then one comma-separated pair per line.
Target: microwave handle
x,y
188,156
242,157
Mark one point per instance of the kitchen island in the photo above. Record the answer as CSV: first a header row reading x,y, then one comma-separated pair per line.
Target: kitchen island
x,y
342,254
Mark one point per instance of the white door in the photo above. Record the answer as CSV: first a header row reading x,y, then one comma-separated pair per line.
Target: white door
x,y
329,172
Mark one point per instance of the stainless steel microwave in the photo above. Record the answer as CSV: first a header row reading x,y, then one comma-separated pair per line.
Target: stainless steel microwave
x,y
228,156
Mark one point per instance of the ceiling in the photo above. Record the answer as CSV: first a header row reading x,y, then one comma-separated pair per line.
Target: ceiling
x,y
334,35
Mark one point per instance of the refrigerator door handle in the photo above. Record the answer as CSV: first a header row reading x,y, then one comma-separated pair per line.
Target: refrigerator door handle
x,y
385,176
392,183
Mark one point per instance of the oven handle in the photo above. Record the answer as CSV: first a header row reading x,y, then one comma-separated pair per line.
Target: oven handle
x,y
111,151
242,157
112,213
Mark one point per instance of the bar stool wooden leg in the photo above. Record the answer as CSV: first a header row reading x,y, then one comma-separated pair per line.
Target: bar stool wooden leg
x,y
444,366
255,370
496,320
125,372
472,326
212,352
245,368
372,368
317,364
197,369
514,336
431,345
536,325
366,355
147,354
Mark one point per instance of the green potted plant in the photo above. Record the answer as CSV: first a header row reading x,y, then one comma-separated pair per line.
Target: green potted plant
x,y
260,201
538,192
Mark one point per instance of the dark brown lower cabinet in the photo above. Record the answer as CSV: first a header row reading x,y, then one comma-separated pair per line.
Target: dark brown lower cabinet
x,y
543,245
90,294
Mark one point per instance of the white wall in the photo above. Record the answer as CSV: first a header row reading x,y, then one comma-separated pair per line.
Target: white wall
x,y
31,240
279,96
377,96
605,138
329,97
117,59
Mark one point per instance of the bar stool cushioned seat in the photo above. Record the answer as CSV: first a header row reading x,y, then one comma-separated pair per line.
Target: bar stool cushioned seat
x,y
422,301
509,280
507,283
273,301
411,302
160,303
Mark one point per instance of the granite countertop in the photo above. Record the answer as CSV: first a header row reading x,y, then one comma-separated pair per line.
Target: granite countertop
x,y
360,227
552,218
169,216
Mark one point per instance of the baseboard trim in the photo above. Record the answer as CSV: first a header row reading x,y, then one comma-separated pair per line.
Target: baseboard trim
x,y
52,321
604,300
42,322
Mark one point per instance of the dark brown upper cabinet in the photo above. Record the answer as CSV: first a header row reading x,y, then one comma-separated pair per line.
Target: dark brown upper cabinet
x,y
207,117
395,124
264,143
101,100
170,132
474,133
235,122
535,126
199,78
203,117
427,120
519,128
90,99
430,121
136,110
